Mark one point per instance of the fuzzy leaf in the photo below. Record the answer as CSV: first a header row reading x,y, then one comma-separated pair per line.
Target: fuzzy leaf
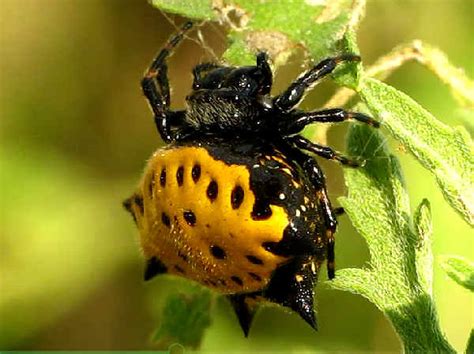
x,y
460,270
280,27
423,254
185,318
322,28
378,206
447,152
398,278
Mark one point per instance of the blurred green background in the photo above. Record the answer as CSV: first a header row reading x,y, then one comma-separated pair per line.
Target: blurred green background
x,y
76,132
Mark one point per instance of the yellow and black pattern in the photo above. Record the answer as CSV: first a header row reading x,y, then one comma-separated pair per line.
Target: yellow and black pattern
x,y
207,219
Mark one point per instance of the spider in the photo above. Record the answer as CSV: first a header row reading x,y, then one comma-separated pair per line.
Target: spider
x,y
236,200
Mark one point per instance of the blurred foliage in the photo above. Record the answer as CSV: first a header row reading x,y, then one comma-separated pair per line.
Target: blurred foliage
x,y
53,260
75,133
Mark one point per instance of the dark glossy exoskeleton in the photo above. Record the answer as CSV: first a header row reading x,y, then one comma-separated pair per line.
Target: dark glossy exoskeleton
x,y
234,201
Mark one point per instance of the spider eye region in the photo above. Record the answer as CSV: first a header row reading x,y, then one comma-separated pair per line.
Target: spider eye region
x,y
248,80
210,80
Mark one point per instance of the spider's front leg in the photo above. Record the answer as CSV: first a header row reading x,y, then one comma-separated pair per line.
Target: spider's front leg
x,y
294,93
155,86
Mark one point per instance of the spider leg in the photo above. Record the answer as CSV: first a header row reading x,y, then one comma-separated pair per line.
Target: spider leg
x,y
316,176
294,93
155,85
262,64
298,120
323,151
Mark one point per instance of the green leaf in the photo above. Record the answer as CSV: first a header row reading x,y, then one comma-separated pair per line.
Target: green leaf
x,y
460,270
398,277
423,254
281,27
185,318
321,28
447,152
378,206
197,9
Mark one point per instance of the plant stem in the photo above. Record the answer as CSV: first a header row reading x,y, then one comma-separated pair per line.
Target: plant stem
x,y
418,327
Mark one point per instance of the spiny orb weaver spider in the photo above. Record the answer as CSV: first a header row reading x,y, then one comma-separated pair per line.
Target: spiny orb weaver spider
x,y
233,202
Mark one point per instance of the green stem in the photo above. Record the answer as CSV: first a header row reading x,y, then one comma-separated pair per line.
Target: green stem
x,y
418,327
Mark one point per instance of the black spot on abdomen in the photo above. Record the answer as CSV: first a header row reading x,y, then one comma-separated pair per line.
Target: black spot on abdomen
x,y
255,276
212,191
196,172
165,219
180,175
163,177
254,260
151,184
217,252
237,280
237,197
189,217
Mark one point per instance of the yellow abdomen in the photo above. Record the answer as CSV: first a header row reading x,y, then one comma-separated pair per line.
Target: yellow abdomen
x,y
196,218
